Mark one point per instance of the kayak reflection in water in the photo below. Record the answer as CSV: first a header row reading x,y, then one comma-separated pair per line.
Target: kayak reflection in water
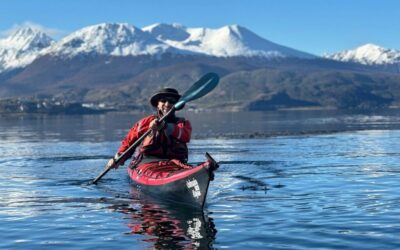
x,y
168,139
171,227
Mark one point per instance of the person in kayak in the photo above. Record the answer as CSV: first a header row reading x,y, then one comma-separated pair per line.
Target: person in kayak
x,y
167,140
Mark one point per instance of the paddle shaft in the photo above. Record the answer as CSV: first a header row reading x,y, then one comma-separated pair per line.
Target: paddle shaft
x,y
131,148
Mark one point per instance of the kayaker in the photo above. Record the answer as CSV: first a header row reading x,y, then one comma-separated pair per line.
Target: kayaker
x,y
168,139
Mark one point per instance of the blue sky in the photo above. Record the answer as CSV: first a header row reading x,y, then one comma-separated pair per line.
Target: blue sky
x,y
314,26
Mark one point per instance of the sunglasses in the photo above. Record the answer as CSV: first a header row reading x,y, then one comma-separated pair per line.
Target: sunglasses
x,y
170,100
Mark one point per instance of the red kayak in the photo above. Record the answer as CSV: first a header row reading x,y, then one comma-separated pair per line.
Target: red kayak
x,y
174,181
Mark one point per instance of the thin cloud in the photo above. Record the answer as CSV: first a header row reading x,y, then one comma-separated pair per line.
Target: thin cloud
x,y
52,32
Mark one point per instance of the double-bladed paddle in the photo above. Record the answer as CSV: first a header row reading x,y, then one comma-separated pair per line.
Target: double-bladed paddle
x,y
199,89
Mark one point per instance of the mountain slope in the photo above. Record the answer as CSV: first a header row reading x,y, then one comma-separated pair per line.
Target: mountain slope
x,y
227,41
22,47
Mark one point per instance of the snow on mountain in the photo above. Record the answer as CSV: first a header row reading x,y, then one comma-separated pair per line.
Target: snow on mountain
x,y
109,39
27,44
165,32
22,47
227,41
367,54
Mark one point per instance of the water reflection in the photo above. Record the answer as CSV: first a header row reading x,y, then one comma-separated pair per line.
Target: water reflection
x,y
167,226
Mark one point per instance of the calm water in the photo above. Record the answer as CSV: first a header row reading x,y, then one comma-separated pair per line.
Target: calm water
x,y
302,191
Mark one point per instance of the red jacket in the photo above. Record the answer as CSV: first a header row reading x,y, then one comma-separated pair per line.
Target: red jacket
x,y
169,142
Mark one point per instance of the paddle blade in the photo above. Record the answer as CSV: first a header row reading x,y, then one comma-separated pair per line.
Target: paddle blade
x,y
200,88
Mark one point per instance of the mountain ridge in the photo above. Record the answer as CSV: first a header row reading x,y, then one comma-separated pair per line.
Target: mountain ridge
x,y
123,39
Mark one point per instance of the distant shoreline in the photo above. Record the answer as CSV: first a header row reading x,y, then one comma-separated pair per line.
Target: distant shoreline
x,y
78,109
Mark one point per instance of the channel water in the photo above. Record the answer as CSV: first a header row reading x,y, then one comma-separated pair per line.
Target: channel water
x,y
287,180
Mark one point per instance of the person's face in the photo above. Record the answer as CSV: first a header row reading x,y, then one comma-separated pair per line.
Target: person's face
x,y
166,104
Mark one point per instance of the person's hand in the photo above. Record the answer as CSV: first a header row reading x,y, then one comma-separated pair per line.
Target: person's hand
x,y
112,164
155,125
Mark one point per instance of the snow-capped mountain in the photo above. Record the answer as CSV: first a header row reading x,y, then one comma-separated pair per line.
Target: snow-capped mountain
x,y
22,47
109,39
25,45
368,54
227,41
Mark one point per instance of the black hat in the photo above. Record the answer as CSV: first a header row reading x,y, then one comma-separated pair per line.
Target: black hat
x,y
165,92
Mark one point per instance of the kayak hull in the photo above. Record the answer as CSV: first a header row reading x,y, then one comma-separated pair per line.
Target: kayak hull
x,y
174,181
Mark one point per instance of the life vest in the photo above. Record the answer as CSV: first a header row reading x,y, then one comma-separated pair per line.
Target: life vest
x,y
162,146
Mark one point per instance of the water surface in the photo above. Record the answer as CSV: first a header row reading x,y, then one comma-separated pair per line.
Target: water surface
x,y
302,191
